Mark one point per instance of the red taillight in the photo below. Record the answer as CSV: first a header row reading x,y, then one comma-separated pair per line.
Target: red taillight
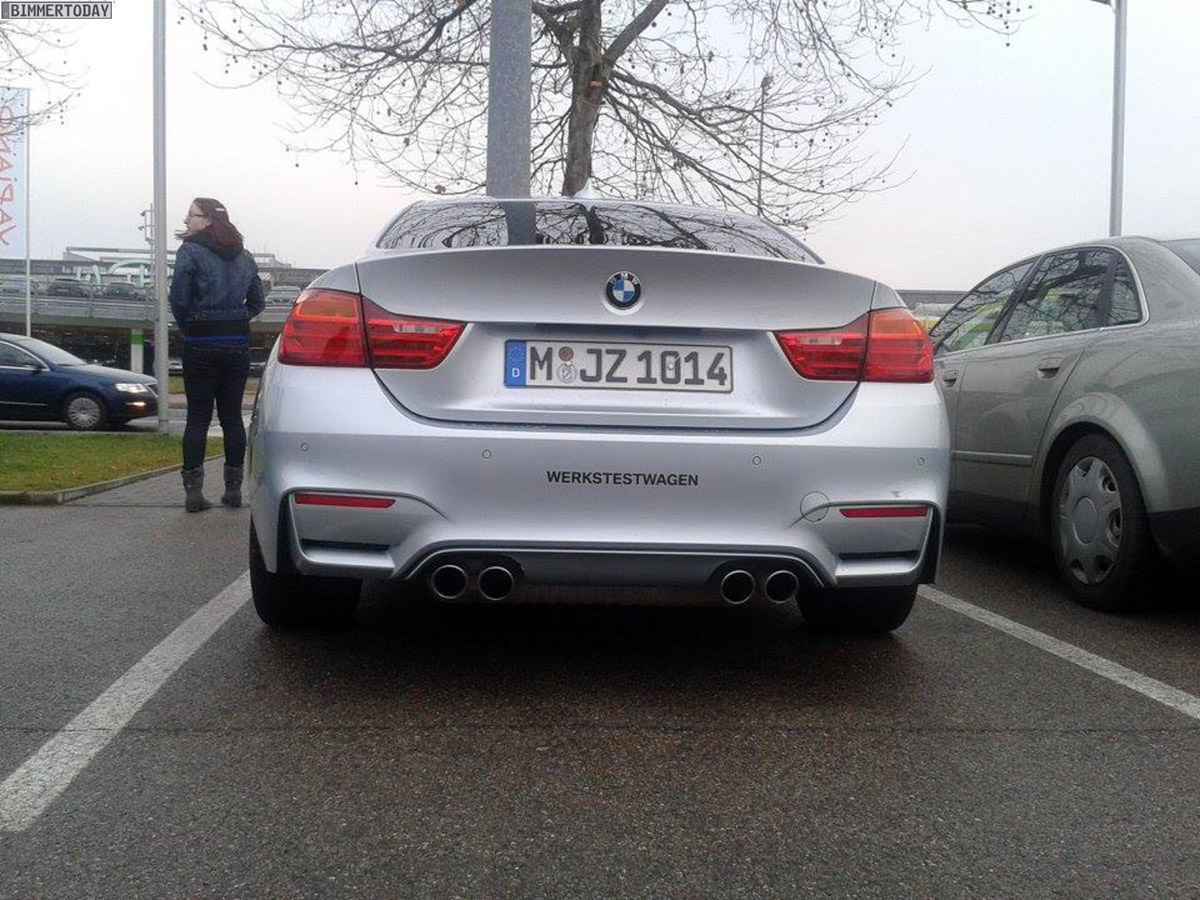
x,y
885,512
403,342
356,501
334,328
898,348
324,328
886,345
834,354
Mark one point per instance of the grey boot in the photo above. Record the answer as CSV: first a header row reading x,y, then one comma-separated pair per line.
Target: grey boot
x,y
193,486
233,487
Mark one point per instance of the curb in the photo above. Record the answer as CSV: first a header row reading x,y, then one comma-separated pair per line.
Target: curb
x,y
55,498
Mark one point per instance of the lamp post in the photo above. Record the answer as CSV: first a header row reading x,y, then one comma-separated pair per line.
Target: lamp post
x,y
1120,10
767,81
509,87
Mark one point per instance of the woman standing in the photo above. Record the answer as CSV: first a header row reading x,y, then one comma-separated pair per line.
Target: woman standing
x,y
215,292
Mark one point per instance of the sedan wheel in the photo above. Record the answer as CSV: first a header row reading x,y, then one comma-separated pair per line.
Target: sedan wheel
x,y
1101,539
1089,523
84,412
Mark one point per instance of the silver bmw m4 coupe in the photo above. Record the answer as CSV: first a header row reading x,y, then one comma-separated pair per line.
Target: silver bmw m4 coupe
x,y
572,392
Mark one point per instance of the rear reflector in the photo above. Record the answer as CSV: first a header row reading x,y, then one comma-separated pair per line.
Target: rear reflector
x,y
356,501
324,328
885,345
402,342
885,512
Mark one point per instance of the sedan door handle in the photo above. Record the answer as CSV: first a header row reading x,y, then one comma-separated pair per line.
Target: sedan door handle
x,y
1048,368
950,377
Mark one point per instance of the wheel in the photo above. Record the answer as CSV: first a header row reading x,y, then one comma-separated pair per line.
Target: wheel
x,y
84,411
288,599
1099,527
858,610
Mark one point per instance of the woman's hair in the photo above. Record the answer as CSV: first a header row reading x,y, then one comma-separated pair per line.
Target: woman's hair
x,y
223,232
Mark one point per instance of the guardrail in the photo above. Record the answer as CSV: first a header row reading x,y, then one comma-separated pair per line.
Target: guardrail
x,y
101,310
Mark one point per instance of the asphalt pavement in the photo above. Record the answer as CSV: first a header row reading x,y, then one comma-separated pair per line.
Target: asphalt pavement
x,y
574,751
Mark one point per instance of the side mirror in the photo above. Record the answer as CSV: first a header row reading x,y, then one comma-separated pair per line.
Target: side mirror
x,y
35,367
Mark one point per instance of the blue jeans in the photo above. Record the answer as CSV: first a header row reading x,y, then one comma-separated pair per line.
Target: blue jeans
x,y
214,373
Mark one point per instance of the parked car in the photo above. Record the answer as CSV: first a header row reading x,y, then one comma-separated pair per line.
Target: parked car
x,y
14,286
69,287
44,382
593,393
124,290
1072,380
283,295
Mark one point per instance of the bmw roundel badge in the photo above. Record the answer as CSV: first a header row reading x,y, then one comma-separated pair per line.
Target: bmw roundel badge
x,y
623,290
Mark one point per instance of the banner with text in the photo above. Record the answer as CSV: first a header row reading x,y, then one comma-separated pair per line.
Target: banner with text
x,y
14,144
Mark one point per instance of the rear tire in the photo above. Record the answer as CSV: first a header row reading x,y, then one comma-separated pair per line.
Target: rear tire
x,y
287,599
1099,527
858,610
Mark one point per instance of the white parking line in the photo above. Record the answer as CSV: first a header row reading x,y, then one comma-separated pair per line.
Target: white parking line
x,y
1180,701
27,792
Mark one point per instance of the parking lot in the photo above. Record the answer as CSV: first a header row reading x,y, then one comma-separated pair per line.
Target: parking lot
x,y
575,751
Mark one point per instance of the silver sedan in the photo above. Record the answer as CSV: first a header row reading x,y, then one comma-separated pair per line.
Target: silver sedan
x,y
1073,384
565,392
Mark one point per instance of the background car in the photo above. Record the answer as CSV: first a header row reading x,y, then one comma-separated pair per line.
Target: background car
x,y
39,381
565,392
69,287
284,295
124,290
1072,381
14,286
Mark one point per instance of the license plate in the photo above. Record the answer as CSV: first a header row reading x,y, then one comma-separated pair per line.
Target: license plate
x,y
631,367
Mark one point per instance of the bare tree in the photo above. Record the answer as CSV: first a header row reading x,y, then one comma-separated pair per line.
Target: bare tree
x,y
745,104
34,54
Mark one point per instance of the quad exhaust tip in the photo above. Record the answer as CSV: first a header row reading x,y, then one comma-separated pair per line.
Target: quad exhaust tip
x,y
737,587
448,582
781,586
496,583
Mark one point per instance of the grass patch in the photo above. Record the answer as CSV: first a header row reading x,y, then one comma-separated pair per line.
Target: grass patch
x,y
55,462
175,385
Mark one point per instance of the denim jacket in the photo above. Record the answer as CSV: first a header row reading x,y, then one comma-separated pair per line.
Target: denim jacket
x,y
215,290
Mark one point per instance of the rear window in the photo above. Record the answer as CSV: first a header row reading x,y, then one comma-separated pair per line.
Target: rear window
x,y
1188,251
492,223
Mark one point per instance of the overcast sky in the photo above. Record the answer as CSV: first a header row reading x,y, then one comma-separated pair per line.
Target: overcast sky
x,y
1006,149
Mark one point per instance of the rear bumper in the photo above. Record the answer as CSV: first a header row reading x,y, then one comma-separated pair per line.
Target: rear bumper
x,y
594,506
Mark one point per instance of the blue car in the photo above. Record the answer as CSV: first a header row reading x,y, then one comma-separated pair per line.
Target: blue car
x,y
42,382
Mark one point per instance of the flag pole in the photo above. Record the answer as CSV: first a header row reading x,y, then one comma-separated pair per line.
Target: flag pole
x,y
28,280
162,347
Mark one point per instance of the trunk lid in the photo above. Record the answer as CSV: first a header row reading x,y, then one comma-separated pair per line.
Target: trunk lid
x,y
555,296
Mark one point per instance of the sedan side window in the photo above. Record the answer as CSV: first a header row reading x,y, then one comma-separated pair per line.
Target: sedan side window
x,y
13,356
1065,296
1125,308
970,322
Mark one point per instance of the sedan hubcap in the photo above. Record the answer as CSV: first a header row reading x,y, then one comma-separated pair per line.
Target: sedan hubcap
x,y
84,412
1089,520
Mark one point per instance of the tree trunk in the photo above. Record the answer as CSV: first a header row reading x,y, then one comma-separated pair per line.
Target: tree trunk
x,y
589,78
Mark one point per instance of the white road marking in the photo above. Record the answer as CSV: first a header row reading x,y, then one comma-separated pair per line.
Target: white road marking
x,y
27,792
1180,701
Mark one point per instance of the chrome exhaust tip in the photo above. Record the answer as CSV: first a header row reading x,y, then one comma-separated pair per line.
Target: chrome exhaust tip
x,y
448,582
737,587
496,583
781,586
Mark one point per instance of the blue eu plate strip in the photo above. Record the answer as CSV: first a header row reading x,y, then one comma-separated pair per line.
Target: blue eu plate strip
x,y
514,363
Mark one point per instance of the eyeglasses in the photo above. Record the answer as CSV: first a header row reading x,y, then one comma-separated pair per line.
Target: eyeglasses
x,y
193,215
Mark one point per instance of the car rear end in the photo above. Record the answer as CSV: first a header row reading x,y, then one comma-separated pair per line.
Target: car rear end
x,y
601,415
